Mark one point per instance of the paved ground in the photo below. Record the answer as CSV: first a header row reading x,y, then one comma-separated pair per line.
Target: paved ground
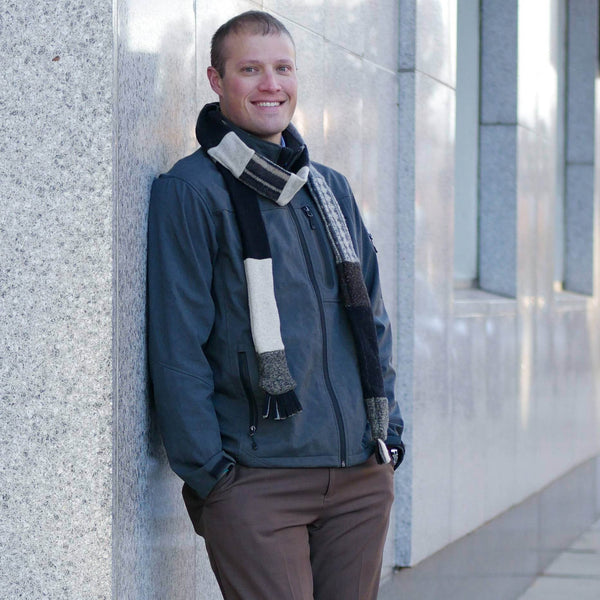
x,y
574,575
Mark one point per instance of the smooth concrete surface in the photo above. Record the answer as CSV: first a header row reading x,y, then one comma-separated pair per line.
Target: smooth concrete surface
x,y
574,574
432,422
56,299
503,558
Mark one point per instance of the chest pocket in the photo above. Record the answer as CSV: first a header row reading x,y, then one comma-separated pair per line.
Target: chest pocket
x,y
319,250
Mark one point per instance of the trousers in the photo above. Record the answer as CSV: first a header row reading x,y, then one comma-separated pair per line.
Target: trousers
x,y
299,534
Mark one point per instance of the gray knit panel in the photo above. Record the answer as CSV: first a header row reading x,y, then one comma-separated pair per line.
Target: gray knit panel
x,y
332,216
274,375
378,413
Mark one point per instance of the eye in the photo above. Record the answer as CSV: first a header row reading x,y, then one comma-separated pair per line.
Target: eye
x,y
249,69
285,68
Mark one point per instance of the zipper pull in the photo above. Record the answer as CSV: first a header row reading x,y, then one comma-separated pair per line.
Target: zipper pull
x,y
251,434
373,243
306,210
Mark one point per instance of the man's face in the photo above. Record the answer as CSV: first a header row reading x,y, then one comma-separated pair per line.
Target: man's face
x,y
259,87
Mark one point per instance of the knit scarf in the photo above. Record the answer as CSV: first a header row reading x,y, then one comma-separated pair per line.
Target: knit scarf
x,y
247,176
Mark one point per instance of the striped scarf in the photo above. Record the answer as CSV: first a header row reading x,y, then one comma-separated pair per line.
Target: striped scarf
x,y
247,176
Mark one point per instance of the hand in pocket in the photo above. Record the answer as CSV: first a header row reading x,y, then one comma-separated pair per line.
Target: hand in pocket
x,y
194,505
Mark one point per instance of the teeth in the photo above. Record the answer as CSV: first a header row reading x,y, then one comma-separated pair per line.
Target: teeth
x,y
268,103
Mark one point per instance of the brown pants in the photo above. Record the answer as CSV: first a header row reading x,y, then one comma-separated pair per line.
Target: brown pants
x,y
299,534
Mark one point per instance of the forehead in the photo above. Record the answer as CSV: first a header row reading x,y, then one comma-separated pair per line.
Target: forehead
x,y
255,46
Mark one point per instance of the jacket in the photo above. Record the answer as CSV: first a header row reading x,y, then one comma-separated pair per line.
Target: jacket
x,y
202,360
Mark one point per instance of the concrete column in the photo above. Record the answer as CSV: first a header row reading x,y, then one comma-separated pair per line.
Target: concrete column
x,y
427,77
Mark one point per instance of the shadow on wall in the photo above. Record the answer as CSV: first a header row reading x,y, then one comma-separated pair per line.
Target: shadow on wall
x,y
153,543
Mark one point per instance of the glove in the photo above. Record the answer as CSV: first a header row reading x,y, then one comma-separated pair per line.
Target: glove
x,y
397,454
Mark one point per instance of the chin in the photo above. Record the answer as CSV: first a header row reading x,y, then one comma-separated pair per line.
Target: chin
x,y
268,133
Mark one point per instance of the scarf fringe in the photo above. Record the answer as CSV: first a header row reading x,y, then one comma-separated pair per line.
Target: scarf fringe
x,y
281,406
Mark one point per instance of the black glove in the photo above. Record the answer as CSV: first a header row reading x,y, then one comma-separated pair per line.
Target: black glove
x,y
397,454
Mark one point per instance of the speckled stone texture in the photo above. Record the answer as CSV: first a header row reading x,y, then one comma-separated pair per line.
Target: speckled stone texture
x,y
582,66
498,148
55,299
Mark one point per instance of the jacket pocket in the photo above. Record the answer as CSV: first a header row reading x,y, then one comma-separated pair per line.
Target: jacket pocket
x,y
320,251
252,404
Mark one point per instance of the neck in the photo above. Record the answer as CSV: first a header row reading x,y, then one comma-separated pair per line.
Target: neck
x,y
212,125
264,147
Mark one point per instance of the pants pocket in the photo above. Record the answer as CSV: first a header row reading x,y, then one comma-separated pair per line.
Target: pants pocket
x,y
194,505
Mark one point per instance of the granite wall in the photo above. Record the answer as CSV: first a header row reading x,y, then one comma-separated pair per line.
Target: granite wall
x,y
56,300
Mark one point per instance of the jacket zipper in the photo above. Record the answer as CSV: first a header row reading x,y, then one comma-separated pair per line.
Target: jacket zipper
x,y
245,375
309,215
336,407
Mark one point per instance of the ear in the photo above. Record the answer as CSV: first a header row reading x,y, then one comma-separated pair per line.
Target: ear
x,y
215,81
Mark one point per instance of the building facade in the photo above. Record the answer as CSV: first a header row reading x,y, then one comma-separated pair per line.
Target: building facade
x,y
469,132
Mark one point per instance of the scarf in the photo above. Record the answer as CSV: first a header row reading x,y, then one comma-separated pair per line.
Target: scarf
x,y
247,176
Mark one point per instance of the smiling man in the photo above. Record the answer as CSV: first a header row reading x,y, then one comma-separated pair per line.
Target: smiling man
x,y
269,344
255,79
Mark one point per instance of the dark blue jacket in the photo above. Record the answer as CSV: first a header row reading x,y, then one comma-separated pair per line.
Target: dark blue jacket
x,y
202,360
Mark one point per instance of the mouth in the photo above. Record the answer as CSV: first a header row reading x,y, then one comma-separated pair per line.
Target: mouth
x,y
267,104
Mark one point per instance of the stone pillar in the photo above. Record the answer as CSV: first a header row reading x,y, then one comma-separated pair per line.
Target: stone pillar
x,y
582,66
427,76
56,264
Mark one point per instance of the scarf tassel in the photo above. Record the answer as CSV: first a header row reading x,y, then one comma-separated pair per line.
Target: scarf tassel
x,y
281,406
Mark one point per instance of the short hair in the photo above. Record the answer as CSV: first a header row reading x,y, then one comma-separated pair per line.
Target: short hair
x,y
252,21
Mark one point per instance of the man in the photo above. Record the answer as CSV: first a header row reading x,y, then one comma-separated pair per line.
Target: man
x,y
269,344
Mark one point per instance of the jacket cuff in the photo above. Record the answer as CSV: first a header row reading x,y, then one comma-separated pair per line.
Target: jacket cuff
x,y
393,439
203,480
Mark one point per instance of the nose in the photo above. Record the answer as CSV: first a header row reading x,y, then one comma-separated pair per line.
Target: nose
x,y
269,81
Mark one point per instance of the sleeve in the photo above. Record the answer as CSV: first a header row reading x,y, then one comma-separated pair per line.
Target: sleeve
x,y
370,268
181,250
